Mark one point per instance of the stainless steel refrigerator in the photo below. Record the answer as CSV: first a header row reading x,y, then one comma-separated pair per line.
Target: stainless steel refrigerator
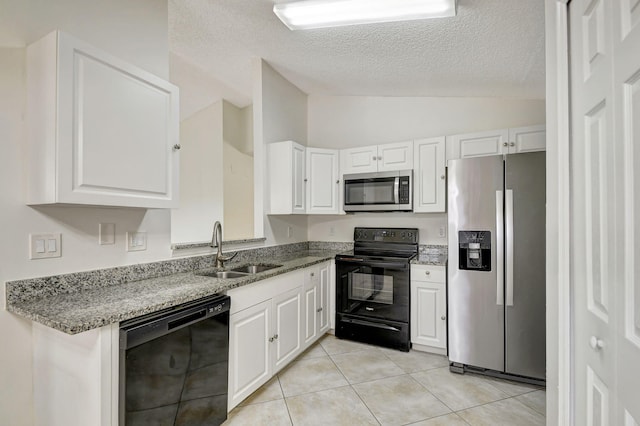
x,y
496,270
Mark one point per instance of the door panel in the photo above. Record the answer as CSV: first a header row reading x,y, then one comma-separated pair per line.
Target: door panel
x,y
476,311
605,70
287,311
525,264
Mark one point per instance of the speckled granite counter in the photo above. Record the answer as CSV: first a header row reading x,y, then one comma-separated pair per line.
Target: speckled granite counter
x,y
101,303
431,255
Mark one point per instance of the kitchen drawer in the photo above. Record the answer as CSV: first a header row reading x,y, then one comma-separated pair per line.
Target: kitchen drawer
x,y
432,273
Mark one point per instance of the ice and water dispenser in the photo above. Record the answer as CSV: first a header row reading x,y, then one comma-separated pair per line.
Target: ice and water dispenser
x,y
474,250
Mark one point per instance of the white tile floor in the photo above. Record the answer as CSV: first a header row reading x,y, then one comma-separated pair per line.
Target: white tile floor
x,y
339,382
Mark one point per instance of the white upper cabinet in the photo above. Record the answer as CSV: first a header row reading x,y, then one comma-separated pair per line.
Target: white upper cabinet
x,y
496,142
477,144
100,131
429,175
323,181
377,158
527,139
395,156
287,171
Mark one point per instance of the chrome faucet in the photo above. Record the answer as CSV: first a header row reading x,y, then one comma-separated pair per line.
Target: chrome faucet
x,y
216,240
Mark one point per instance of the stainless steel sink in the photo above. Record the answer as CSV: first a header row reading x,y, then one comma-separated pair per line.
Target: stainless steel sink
x,y
224,274
254,269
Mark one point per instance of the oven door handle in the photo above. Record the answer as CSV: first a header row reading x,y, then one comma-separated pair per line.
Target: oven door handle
x,y
361,262
371,324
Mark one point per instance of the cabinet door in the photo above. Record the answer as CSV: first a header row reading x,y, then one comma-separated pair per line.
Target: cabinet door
x,y
249,351
429,175
311,301
324,294
395,156
359,160
323,182
527,139
428,317
299,179
117,127
479,144
287,321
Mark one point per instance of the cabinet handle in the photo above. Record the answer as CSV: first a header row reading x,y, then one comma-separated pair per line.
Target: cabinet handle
x,y
176,147
275,336
375,158
380,158
337,181
319,310
443,318
306,180
442,177
427,272
271,339
512,144
313,274
505,144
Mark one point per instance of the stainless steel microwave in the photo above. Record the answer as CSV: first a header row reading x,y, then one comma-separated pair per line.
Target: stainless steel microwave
x,y
379,192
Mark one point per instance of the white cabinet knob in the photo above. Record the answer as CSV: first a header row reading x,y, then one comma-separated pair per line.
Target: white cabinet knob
x,y
505,144
443,318
512,144
442,177
595,343
427,272
375,158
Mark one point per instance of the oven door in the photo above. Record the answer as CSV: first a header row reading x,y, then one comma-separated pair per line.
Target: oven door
x,y
377,289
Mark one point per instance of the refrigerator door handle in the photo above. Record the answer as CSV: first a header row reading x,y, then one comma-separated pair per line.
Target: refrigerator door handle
x,y
508,196
500,248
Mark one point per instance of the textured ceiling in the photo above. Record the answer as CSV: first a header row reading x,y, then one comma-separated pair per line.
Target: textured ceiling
x,y
492,48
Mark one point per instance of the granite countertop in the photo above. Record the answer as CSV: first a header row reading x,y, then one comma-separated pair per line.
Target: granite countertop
x,y
435,260
92,308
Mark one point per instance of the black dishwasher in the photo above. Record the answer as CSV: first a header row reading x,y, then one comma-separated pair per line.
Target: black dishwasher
x,y
174,365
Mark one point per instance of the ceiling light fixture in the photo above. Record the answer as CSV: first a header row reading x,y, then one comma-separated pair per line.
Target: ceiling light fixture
x,y
300,15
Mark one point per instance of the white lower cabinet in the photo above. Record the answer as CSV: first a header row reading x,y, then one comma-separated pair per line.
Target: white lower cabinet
x,y
317,293
271,323
429,308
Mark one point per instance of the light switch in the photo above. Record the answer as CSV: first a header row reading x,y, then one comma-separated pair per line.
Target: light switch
x,y
39,246
42,246
106,233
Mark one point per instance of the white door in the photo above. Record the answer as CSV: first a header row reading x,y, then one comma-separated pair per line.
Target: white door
x,y
287,321
527,139
429,175
324,295
117,128
310,309
299,180
605,104
494,142
359,160
395,156
323,182
249,351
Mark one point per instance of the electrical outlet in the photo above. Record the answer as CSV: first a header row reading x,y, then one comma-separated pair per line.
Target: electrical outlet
x,y
136,241
442,231
43,246
332,231
289,231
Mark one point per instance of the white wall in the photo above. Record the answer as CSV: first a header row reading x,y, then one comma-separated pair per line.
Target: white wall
x,y
350,121
237,165
201,176
279,113
136,31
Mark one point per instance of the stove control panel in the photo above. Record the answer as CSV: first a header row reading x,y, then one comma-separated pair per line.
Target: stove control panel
x,y
387,235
